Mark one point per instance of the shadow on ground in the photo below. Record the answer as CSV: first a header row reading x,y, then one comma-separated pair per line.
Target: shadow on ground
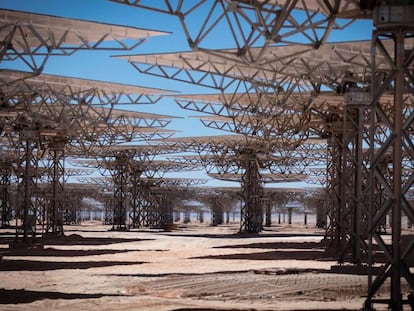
x,y
72,239
76,239
295,250
31,265
230,272
275,255
277,245
16,296
52,252
211,309
239,236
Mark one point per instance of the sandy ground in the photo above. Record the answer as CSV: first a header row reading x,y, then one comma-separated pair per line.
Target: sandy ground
x,y
196,267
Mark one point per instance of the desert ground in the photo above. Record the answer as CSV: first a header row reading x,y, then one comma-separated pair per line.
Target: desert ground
x,y
194,267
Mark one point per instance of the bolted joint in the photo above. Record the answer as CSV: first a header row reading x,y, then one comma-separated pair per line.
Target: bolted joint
x,y
241,51
193,45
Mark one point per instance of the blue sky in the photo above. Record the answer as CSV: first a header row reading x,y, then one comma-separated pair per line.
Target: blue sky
x,y
100,66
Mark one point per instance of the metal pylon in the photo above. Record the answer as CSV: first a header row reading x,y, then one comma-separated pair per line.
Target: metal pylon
x,y
334,230
136,212
5,183
392,153
252,211
354,176
55,206
217,212
120,178
27,212
268,211
166,211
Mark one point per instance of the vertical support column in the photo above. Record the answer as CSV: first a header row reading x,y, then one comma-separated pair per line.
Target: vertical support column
x,y
321,212
354,177
392,150
251,211
216,212
72,204
290,214
152,207
135,213
334,231
166,210
120,178
268,204
5,177
26,211
359,215
109,208
146,205
55,206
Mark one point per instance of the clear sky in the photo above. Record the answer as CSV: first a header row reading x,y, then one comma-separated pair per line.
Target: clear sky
x,y
100,66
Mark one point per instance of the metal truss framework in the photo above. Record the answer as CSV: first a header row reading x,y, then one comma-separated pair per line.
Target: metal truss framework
x,y
246,160
227,158
6,179
133,169
391,171
218,200
32,107
331,65
288,87
168,193
74,193
289,106
149,203
257,113
251,213
387,174
30,39
51,115
224,200
54,214
352,188
259,23
288,162
264,112
289,125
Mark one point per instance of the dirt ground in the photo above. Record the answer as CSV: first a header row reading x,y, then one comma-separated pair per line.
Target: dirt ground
x,y
195,267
